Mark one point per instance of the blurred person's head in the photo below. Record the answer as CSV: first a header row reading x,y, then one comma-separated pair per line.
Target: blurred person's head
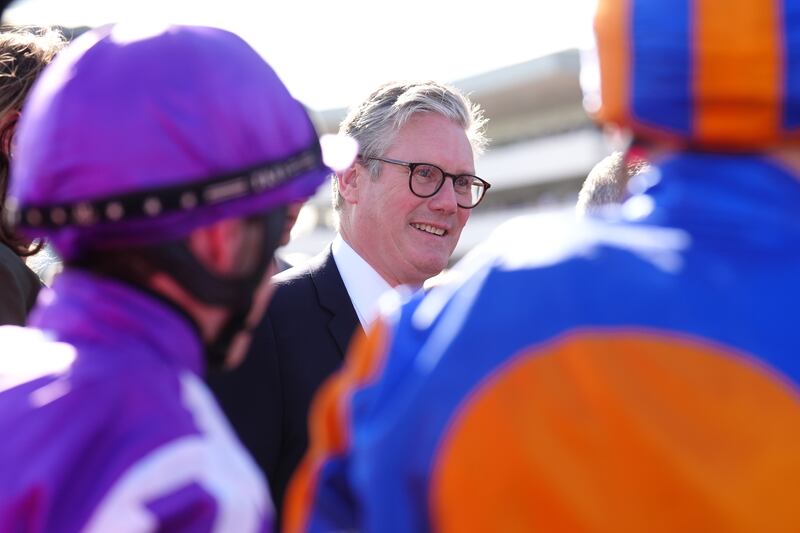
x,y
607,183
24,52
292,212
710,76
165,159
401,217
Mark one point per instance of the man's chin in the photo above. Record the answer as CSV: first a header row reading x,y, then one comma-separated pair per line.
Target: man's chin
x,y
428,269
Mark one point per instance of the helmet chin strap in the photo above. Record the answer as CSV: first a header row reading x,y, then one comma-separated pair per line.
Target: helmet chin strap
x,y
217,350
233,293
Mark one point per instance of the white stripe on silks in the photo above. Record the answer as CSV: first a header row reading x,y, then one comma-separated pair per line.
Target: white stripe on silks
x,y
214,460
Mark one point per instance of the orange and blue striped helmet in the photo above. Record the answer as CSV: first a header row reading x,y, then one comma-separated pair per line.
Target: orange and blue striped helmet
x,y
711,74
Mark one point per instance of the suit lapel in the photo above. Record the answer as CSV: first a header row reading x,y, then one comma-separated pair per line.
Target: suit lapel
x,y
333,297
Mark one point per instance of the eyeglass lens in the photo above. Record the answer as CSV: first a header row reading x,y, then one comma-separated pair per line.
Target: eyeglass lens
x,y
426,179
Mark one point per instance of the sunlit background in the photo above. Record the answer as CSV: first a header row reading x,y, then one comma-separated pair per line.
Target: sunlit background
x,y
519,60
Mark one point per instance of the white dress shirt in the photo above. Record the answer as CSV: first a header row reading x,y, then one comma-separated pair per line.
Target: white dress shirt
x,y
363,284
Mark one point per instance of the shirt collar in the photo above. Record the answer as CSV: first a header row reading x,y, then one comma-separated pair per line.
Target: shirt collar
x,y
364,285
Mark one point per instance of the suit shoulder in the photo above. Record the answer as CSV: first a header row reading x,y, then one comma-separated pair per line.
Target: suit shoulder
x,y
294,292
12,267
304,272
19,286
292,276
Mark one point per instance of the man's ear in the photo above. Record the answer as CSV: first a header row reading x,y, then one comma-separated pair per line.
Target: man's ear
x,y
348,180
216,245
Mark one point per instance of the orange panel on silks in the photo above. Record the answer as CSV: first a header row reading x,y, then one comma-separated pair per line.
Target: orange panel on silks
x,y
632,432
735,99
613,21
329,423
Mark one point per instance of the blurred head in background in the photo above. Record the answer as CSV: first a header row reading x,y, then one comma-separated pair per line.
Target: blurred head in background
x,y
24,52
607,183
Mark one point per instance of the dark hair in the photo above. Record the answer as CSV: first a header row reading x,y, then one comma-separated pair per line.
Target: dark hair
x,y
24,52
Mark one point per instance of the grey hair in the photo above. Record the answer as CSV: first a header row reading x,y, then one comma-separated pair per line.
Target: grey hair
x,y
607,183
376,121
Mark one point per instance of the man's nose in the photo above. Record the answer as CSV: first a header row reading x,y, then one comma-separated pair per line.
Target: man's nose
x,y
445,199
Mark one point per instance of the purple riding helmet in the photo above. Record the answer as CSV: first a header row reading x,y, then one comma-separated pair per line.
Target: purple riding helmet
x,y
121,144
133,139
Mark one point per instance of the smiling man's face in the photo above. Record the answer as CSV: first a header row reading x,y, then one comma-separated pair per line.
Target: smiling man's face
x,y
408,239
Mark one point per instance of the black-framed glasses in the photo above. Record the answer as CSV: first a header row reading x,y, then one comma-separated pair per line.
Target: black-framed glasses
x,y
426,179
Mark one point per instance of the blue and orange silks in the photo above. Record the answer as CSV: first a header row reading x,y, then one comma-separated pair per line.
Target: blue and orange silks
x,y
632,376
717,73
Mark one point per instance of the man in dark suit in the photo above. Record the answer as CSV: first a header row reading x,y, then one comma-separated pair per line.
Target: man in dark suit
x,y
400,218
